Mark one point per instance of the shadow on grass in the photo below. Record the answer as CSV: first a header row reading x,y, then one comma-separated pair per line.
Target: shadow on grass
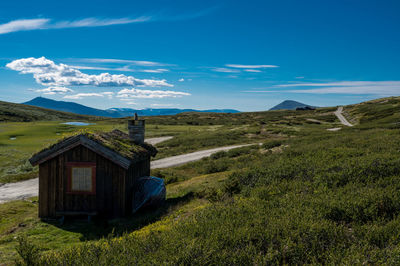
x,y
100,227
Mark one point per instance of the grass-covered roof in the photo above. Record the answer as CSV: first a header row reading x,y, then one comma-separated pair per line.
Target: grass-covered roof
x,y
119,141
115,144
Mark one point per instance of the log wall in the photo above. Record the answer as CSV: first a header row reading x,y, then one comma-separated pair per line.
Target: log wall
x,y
113,185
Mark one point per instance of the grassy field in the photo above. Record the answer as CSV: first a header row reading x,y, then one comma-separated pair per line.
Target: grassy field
x,y
306,196
382,112
15,112
332,199
19,219
19,140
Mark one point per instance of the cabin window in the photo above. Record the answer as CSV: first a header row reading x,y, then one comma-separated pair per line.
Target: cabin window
x,y
81,178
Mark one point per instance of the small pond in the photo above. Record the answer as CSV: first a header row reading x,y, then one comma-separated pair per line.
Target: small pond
x,y
78,123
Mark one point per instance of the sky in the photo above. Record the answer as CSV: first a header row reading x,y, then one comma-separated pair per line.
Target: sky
x,y
245,55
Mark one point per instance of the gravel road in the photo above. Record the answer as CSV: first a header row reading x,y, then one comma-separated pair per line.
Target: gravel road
x,y
30,188
342,119
190,157
154,141
20,190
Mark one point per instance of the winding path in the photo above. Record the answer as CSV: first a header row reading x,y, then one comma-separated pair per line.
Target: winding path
x,y
154,141
340,116
190,157
30,188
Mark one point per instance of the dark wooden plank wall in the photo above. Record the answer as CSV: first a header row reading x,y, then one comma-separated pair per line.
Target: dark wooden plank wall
x,y
110,198
136,170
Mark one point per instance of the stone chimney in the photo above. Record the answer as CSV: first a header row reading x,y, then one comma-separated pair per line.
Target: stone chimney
x,y
136,130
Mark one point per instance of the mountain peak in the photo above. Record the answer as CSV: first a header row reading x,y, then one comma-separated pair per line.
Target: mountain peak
x,y
77,108
289,105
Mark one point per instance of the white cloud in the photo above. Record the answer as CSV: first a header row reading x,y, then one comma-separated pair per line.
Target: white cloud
x,y
343,83
159,70
54,90
250,66
377,90
23,25
109,94
161,105
47,73
260,91
225,70
181,80
84,95
123,69
45,23
385,88
95,68
149,94
234,68
97,22
253,70
123,61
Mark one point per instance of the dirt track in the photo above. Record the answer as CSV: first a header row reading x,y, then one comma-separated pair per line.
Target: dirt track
x,y
340,116
190,157
20,190
154,141
30,188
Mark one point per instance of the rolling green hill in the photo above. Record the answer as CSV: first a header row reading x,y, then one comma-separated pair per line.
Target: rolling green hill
x,y
289,105
306,196
14,112
380,112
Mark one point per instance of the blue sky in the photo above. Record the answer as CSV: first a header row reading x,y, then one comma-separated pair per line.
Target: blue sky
x,y
247,55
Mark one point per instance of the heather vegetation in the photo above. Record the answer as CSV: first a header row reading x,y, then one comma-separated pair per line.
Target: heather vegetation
x,y
19,140
304,196
331,199
14,112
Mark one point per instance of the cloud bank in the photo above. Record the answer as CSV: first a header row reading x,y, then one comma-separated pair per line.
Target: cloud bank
x,y
127,94
54,90
236,68
382,88
48,73
84,95
158,70
250,66
225,70
45,23
123,61
23,25
347,87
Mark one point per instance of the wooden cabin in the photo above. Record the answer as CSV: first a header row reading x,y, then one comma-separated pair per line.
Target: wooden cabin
x,y
93,173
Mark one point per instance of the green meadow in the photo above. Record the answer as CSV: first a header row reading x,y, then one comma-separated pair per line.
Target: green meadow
x,y
19,140
305,196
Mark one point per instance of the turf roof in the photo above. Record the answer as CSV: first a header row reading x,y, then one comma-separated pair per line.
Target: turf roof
x,y
105,143
119,141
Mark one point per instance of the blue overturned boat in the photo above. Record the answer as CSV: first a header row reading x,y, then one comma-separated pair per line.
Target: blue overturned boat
x,y
148,191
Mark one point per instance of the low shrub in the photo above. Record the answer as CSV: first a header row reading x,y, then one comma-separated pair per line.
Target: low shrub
x,y
272,144
29,253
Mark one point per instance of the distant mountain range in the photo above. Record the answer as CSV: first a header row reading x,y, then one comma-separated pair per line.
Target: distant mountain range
x,y
112,112
290,105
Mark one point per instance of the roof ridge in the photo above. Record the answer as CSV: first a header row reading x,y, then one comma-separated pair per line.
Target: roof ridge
x,y
115,145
